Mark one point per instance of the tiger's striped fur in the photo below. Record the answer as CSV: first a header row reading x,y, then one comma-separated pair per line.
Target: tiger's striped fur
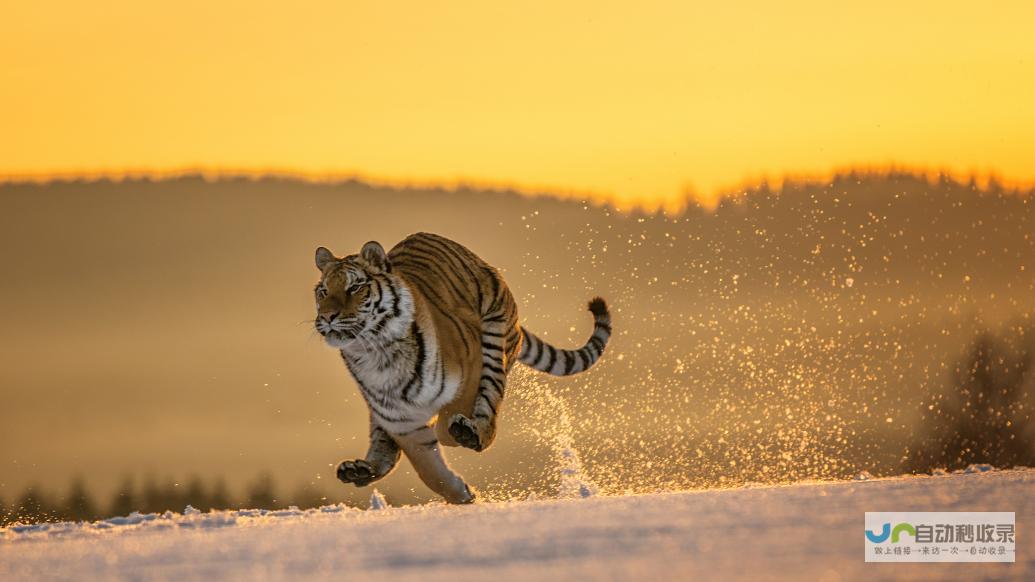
x,y
429,331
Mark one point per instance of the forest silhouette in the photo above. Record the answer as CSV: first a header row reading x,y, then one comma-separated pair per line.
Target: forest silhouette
x,y
77,503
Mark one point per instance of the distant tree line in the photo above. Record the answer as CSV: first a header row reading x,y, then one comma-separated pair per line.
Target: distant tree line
x,y
78,504
987,414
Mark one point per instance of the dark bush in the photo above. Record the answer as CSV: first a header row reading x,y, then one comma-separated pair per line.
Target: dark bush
x,y
986,415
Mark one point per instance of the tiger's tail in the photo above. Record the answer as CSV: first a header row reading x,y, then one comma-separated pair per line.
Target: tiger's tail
x,y
546,358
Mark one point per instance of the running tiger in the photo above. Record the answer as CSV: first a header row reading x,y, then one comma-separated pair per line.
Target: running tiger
x,y
429,331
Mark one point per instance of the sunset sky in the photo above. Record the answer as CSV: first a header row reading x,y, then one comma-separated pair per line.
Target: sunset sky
x,y
639,102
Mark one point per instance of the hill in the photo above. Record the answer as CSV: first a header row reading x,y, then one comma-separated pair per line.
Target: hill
x,y
811,332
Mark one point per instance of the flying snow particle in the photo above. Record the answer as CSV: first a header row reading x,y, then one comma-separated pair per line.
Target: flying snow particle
x,y
377,501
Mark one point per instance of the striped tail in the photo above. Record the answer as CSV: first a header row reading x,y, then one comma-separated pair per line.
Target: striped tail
x,y
546,358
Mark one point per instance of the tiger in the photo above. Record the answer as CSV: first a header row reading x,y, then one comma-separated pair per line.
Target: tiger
x,y
429,332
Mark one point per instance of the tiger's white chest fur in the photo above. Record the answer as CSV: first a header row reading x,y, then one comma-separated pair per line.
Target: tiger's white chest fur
x,y
402,376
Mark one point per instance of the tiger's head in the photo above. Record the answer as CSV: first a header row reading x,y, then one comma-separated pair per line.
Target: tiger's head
x,y
347,296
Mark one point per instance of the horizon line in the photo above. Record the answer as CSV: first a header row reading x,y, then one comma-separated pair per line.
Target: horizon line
x,y
985,181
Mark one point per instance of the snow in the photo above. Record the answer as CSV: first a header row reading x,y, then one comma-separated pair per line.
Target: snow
x,y
804,531
377,501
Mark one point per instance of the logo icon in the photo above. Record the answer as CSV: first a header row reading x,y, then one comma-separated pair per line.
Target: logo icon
x,y
894,533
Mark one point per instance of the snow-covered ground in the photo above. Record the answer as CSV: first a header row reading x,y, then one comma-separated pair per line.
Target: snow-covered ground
x,y
800,532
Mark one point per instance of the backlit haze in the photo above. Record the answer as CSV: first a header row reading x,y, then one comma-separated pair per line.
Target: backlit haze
x,y
637,103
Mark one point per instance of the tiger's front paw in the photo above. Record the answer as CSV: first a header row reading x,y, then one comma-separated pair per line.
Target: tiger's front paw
x,y
358,472
465,433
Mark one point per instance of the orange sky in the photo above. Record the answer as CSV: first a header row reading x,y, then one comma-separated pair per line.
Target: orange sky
x,y
635,101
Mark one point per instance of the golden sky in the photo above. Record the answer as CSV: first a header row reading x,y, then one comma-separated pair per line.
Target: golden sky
x,y
639,101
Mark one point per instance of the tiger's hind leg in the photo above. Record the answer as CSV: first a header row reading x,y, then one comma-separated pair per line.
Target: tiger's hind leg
x,y
382,456
425,454
478,431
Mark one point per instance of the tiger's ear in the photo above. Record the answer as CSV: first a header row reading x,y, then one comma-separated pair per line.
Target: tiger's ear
x,y
324,257
374,254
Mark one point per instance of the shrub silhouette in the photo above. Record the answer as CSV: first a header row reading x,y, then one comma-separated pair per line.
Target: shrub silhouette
x,y
80,506
986,417
262,492
35,506
220,497
125,500
196,496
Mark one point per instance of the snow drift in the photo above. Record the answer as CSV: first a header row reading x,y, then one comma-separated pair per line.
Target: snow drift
x,y
803,531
